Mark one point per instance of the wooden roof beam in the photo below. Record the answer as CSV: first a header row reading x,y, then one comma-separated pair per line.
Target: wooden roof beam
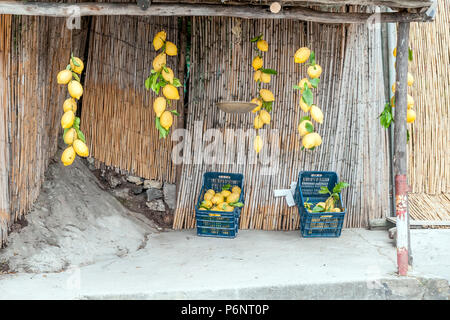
x,y
53,9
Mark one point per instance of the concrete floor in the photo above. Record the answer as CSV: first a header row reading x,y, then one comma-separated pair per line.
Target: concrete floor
x,y
361,264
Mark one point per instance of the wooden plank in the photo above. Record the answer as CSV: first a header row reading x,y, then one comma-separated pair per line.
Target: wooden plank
x,y
400,163
204,10
421,223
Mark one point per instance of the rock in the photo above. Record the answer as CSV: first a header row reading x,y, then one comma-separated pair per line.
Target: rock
x,y
122,193
170,195
156,205
153,194
113,181
137,190
135,180
152,184
90,160
91,167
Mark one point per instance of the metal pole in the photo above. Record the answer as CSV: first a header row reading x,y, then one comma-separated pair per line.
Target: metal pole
x,y
400,160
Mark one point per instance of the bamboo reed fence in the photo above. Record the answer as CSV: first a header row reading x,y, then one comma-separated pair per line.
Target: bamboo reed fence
x,y
350,94
31,55
429,152
118,118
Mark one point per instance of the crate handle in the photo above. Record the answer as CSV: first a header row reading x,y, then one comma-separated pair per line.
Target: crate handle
x,y
225,177
215,215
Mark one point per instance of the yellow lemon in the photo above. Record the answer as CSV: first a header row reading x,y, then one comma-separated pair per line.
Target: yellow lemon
x,y
218,198
302,127
158,40
171,48
77,69
159,106
410,79
171,92
159,61
166,119
258,123
265,77
208,196
314,71
335,210
393,88
207,203
70,104
80,148
304,106
168,76
264,116
262,45
203,209
67,119
257,63
211,191
257,144
302,55
302,82
395,52
228,208
225,193
75,89
70,136
312,140
257,75
266,95
410,116
234,197
236,189
64,76
316,113
68,156
393,101
258,102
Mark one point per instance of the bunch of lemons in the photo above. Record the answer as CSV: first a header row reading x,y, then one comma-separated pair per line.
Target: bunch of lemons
x,y
162,77
72,136
411,114
223,200
265,98
310,138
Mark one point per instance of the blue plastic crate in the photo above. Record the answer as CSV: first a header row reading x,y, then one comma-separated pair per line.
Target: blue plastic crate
x,y
218,223
317,224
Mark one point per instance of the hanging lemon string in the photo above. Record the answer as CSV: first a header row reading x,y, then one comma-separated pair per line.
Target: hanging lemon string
x,y
72,135
265,97
386,116
310,138
162,76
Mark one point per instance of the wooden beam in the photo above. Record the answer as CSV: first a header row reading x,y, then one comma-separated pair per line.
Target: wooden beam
x,y
400,161
204,10
422,223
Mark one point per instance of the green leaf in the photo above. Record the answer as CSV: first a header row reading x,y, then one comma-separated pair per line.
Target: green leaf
x,y
410,54
80,135
236,204
339,186
68,67
162,131
318,209
65,131
76,123
255,39
324,190
177,82
312,58
269,71
74,61
175,112
314,82
305,118
407,135
309,127
307,95
75,76
165,69
386,117
148,83
296,87
226,187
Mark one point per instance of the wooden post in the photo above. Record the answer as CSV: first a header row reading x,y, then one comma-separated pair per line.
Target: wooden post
x,y
400,161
